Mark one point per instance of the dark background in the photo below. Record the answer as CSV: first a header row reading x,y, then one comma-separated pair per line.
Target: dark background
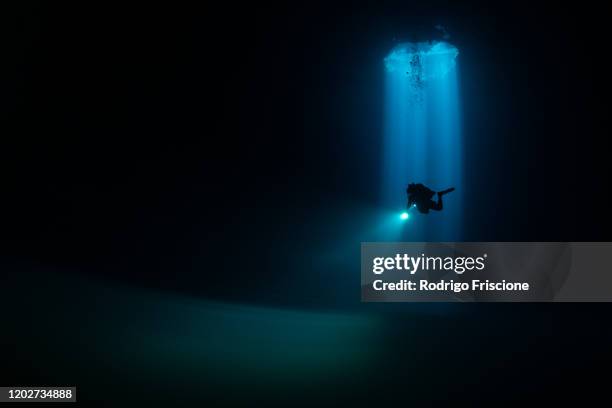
x,y
215,151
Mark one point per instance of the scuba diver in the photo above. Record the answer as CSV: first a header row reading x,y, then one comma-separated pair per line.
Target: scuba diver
x,y
421,196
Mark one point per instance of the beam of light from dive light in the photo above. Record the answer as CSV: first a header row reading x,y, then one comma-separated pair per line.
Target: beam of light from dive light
x,y
406,214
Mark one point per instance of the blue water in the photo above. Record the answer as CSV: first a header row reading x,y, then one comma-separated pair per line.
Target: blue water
x,y
423,136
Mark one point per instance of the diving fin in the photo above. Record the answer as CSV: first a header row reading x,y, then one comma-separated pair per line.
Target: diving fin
x,y
448,190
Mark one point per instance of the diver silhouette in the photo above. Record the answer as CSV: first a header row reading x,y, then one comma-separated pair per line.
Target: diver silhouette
x,y
421,196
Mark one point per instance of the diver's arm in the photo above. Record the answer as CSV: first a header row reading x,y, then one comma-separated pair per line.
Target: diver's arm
x,y
410,201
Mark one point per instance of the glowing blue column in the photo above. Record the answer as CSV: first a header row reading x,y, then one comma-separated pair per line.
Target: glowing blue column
x,y
423,135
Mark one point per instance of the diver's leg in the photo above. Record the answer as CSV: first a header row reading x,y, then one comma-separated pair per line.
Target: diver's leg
x,y
437,206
